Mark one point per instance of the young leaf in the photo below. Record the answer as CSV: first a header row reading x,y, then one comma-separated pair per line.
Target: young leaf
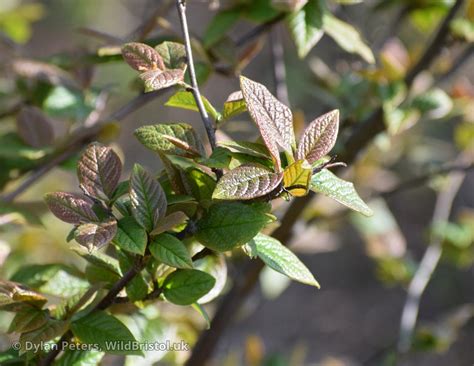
x,y
185,100
171,251
246,182
201,184
169,222
106,331
340,190
305,27
147,198
273,118
319,137
173,55
130,236
71,207
34,127
230,224
163,138
347,37
142,57
296,178
96,235
278,257
158,79
13,295
186,286
234,105
99,170
27,319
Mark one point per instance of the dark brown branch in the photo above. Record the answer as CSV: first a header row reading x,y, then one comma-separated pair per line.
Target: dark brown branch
x,y
245,282
181,6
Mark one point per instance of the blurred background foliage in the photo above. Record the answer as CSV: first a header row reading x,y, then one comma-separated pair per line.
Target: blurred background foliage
x,y
61,57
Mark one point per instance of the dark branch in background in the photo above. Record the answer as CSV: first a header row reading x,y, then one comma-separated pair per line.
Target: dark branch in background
x,y
245,281
259,30
279,68
181,5
75,143
430,259
459,62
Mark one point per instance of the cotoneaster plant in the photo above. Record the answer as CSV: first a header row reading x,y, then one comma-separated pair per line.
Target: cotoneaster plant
x,y
166,234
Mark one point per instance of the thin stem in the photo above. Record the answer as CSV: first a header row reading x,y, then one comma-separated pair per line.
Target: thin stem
x,y
181,6
430,260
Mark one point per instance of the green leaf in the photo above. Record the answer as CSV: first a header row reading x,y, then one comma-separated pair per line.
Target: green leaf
x,y
274,119
137,288
147,198
99,259
27,319
71,207
52,329
34,128
288,5
80,358
142,57
219,159
186,286
245,147
54,279
216,266
230,224
158,79
170,139
347,37
463,28
234,105
278,257
296,178
217,28
185,100
169,222
171,251
305,26
202,311
201,184
99,170
173,55
319,137
106,331
96,235
340,190
130,236
246,182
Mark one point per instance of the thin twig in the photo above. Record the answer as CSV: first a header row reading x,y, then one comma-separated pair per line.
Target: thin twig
x,y
429,261
279,68
181,6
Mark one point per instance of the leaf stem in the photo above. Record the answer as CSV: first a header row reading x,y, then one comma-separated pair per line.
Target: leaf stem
x,y
181,6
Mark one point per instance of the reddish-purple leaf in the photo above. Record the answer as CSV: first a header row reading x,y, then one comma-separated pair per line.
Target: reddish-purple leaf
x,y
246,182
273,118
319,137
71,207
96,235
142,57
157,79
147,198
34,127
99,170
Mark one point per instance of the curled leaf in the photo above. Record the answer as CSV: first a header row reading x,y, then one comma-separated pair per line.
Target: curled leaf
x,y
234,105
246,182
158,79
96,235
147,198
71,207
142,57
319,137
173,55
296,178
34,127
273,118
173,139
99,170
